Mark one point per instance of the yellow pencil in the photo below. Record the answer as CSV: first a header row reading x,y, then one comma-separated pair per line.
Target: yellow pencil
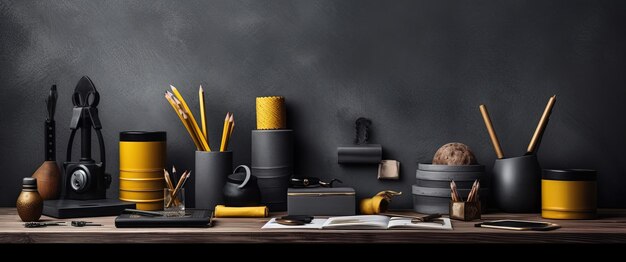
x,y
231,124
173,104
185,115
193,120
203,115
224,132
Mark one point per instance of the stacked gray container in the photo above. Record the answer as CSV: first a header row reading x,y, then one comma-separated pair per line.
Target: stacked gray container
x,y
431,193
272,164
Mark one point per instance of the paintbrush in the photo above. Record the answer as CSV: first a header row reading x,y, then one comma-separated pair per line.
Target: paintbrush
x,y
492,132
541,127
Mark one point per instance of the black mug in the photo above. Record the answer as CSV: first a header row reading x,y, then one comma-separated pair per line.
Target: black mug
x,y
517,184
241,189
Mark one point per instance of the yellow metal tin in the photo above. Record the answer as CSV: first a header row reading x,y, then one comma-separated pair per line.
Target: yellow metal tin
x,y
567,198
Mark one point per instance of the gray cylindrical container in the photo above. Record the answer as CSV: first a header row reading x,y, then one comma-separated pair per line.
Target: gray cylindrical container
x,y
272,148
212,169
272,164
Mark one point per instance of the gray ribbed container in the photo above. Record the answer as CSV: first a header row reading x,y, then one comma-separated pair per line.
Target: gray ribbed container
x,y
272,164
431,193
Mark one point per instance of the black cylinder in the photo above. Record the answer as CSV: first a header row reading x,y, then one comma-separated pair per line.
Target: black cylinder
x,y
517,184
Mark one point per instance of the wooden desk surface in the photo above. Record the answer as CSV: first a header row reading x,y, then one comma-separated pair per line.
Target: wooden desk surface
x,y
609,228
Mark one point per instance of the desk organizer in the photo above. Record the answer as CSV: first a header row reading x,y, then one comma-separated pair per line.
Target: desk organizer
x,y
321,201
427,200
431,193
272,165
517,184
142,160
465,211
212,168
569,194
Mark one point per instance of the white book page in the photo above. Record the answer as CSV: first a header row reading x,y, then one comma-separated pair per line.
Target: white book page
x,y
405,223
357,222
315,224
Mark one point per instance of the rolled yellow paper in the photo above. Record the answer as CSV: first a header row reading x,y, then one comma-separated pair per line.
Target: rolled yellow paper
x,y
224,211
271,113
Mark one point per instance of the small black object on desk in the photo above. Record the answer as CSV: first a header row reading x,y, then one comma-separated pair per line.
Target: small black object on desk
x,y
42,224
84,224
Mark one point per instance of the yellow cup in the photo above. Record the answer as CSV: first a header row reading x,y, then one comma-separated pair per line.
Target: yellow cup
x,y
569,194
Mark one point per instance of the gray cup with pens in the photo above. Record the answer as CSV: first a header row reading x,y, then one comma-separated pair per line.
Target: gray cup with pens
x,y
212,169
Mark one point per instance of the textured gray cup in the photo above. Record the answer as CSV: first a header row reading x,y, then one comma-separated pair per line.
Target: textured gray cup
x,y
212,169
271,148
516,184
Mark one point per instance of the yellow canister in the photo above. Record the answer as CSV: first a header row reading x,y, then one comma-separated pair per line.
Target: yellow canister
x,y
142,151
142,160
569,194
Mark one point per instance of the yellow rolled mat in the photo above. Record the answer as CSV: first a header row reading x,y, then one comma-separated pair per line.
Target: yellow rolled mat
x,y
224,211
271,113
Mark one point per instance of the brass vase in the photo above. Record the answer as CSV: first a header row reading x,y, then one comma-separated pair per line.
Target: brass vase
x,y
29,203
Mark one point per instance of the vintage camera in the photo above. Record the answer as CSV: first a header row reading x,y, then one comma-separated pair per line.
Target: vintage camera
x,y
85,179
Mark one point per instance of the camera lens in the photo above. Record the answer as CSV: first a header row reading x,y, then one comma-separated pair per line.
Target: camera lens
x,y
79,180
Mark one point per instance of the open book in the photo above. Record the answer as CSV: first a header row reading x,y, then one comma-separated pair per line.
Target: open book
x,y
364,222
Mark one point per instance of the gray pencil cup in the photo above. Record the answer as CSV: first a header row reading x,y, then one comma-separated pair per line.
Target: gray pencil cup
x,y
212,169
517,184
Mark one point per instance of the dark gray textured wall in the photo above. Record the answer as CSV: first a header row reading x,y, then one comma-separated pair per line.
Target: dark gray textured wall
x,y
418,69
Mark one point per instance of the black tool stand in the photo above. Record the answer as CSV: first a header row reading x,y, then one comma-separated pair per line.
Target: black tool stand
x,y
85,181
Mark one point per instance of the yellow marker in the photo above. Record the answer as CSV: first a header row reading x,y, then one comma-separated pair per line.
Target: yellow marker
x,y
171,101
205,145
203,115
